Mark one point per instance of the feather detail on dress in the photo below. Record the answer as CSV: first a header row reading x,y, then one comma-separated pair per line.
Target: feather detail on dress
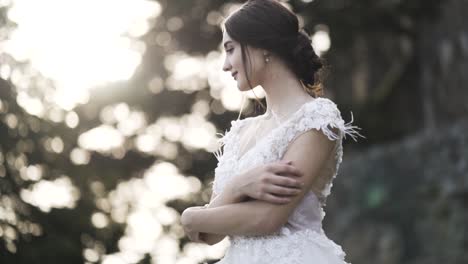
x,y
351,130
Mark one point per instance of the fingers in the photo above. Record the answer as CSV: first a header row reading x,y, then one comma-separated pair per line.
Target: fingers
x,y
276,199
279,195
286,182
286,169
283,191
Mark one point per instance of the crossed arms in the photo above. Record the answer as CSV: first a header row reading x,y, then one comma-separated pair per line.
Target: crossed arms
x,y
228,215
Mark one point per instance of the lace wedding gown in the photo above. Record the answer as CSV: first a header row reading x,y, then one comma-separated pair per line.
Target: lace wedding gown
x,y
301,240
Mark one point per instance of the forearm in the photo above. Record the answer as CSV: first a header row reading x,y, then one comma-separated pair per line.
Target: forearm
x,y
246,218
228,196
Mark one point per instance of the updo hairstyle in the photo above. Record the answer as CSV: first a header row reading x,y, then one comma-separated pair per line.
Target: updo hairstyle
x,y
268,25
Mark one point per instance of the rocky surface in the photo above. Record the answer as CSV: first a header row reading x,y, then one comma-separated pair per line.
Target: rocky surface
x,y
404,202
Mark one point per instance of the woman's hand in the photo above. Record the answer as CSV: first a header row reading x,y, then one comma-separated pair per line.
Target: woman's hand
x,y
276,182
185,220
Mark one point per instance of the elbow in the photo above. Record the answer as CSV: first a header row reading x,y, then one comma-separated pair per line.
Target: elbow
x,y
277,226
270,225
185,218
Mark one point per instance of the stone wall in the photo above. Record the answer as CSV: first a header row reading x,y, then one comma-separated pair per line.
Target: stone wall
x,y
403,76
404,202
443,56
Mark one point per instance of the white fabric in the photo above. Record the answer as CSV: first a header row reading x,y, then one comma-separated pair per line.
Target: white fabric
x,y
301,239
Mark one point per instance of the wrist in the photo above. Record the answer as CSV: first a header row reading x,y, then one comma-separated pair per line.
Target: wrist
x,y
235,193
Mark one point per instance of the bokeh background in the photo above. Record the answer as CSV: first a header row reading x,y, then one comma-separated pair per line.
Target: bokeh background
x,y
110,112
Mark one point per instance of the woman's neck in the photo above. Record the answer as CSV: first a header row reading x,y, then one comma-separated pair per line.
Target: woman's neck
x,y
284,93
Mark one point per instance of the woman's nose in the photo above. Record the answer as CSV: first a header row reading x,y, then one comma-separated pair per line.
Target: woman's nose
x,y
226,65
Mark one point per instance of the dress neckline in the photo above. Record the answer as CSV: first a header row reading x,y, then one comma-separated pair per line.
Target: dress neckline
x,y
240,156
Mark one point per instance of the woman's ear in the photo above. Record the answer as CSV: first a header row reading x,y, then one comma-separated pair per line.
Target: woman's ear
x,y
266,56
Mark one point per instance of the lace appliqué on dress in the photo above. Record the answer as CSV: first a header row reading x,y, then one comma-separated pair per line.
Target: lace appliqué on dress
x,y
302,239
322,115
222,154
313,246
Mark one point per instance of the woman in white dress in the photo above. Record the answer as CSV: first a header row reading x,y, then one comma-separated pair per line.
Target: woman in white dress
x,y
276,169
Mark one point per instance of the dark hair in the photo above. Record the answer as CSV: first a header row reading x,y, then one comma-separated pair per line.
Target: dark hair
x,y
267,24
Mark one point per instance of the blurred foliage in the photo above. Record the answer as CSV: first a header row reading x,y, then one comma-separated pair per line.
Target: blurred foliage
x,y
375,70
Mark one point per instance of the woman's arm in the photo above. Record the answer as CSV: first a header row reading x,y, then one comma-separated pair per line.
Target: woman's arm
x,y
275,182
309,152
228,196
246,218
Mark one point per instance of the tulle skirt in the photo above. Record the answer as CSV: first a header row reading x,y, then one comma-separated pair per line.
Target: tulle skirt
x,y
301,247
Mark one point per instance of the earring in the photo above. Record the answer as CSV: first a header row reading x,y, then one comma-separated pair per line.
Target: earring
x,y
267,58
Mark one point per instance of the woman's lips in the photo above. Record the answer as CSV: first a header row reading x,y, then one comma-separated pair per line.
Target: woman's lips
x,y
234,75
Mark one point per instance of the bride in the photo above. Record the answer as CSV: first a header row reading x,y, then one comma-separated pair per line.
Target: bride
x,y
276,169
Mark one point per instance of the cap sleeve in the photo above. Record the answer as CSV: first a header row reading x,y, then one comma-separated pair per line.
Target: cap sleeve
x,y
324,116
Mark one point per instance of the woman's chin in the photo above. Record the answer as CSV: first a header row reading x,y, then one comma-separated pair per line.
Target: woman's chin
x,y
241,87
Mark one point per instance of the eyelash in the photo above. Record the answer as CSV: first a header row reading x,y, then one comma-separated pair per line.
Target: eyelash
x,y
229,50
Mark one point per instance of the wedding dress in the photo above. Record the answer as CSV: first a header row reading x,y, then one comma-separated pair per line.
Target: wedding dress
x,y
301,240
